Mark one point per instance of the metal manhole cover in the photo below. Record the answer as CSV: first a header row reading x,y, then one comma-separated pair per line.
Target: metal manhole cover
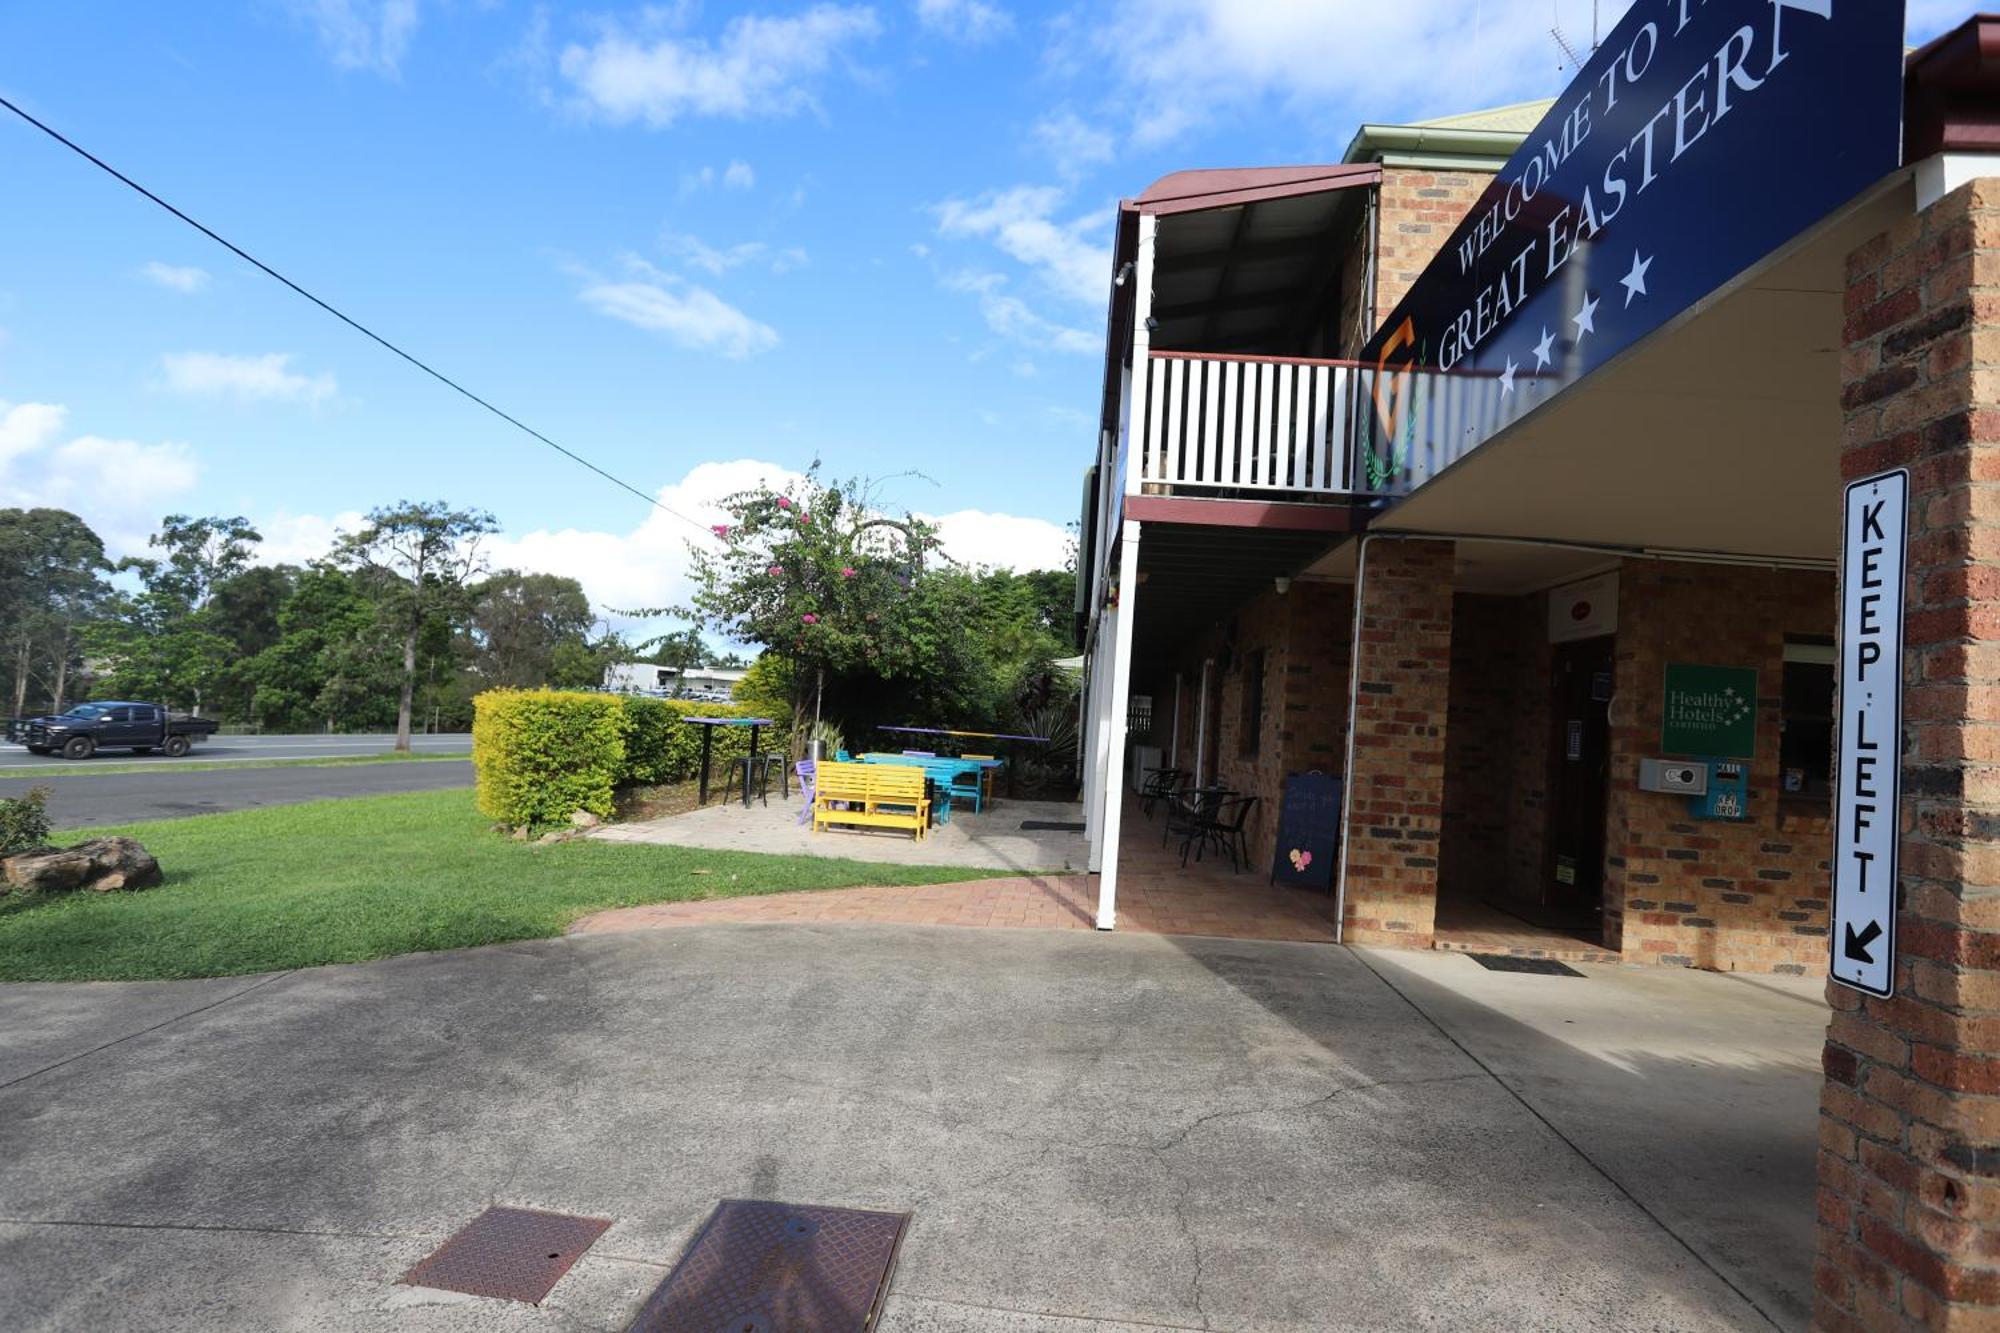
x,y
1544,967
759,1267
515,1254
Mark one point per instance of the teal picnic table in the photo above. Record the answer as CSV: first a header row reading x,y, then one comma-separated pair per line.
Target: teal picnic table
x,y
944,771
756,725
962,736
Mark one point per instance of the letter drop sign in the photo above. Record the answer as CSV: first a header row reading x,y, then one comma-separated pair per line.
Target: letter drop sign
x,y
1868,804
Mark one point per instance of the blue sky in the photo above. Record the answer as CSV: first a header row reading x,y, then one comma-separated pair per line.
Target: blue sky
x,y
697,243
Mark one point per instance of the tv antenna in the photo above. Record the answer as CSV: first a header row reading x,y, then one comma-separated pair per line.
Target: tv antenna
x,y
1562,42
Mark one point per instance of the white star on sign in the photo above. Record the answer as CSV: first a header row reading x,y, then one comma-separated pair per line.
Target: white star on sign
x,y
1586,318
1507,376
1545,350
1635,281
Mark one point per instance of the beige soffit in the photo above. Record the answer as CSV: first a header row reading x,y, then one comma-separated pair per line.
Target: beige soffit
x,y
1471,139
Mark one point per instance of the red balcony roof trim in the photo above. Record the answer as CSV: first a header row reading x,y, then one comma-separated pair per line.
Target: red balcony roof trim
x,y
1224,187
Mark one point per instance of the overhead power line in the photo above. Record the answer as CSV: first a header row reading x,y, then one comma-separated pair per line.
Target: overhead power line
x,y
343,316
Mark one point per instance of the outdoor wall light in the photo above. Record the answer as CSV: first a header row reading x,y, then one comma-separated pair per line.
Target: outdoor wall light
x,y
1282,584
1124,272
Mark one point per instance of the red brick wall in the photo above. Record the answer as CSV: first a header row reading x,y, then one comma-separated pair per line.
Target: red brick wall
x,y
1736,896
1403,674
1909,1204
1419,210
1304,636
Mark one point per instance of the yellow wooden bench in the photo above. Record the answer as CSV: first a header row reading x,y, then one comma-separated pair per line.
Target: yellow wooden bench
x,y
874,795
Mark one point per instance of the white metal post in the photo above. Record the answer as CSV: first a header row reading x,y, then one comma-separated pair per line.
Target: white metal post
x,y
1100,730
1142,348
1201,724
1121,701
1090,743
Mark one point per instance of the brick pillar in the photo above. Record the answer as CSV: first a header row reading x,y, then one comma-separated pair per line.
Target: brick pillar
x,y
1909,1202
1402,689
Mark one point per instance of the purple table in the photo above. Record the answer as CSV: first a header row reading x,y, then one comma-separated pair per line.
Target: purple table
x,y
970,735
756,725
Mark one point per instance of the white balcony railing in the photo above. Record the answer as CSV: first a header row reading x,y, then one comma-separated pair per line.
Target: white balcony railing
x,y
1245,423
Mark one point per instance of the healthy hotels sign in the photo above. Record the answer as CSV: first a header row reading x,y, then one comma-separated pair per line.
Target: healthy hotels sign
x,y
1703,135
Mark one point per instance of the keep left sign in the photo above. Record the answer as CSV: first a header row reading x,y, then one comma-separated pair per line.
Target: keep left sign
x,y
1868,797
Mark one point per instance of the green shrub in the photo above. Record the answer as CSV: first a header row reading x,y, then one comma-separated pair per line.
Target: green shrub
x,y
539,755
24,821
659,747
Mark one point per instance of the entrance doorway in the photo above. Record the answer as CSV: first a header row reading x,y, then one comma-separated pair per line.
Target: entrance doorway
x,y
1578,782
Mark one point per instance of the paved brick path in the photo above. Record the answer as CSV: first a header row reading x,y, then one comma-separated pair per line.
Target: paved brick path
x,y
1197,902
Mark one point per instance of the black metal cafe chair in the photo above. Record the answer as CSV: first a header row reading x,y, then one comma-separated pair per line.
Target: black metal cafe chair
x,y
1189,809
1160,785
1222,829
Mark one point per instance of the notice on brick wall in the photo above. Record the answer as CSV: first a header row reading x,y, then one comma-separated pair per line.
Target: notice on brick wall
x,y
1869,786
1709,710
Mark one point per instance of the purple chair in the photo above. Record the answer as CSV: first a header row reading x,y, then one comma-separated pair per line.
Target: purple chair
x,y
805,768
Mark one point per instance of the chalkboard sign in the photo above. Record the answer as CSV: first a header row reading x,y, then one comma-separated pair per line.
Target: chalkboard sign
x,y
1308,831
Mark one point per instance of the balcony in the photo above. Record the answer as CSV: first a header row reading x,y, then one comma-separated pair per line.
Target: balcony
x,y
1245,427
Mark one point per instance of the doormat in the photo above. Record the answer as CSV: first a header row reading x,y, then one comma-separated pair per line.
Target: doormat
x,y
1051,825
1541,967
761,1267
514,1254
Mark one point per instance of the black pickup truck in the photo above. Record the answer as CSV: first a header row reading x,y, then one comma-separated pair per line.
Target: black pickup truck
x,y
114,725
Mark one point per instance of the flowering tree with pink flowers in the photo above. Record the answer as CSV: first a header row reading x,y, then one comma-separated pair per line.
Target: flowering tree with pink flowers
x,y
819,576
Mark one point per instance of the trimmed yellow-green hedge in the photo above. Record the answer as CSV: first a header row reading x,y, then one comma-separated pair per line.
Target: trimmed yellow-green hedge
x,y
542,754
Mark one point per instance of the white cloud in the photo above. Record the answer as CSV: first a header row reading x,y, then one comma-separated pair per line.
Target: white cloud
x,y
718,260
1003,541
247,379
294,539
1073,145
1072,258
176,277
119,487
26,427
648,566
736,176
696,253
1011,317
362,34
758,66
1186,61
690,315
964,20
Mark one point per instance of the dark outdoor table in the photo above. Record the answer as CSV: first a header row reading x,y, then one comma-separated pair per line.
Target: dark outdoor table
x,y
756,725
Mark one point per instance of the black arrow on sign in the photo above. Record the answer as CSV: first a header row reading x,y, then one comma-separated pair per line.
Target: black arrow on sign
x,y
1857,945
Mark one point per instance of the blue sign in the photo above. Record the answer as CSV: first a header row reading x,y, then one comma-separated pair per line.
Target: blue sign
x,y
1703,135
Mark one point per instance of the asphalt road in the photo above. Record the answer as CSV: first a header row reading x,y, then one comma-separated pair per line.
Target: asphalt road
x,y
259,749
87,799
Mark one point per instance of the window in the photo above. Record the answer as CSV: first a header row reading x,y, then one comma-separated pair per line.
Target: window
x,y
1805,742
1251,739
119,715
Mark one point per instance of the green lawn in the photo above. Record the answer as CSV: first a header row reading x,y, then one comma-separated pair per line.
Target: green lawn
x,y
343,881
85,768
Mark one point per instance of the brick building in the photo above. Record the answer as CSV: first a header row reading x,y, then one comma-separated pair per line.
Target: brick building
x,y
1512,607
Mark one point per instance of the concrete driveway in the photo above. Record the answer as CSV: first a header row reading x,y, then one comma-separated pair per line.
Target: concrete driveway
x,y
1094,1133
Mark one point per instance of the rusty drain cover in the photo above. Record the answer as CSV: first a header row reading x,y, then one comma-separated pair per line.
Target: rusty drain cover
x,y
516,1254
758,1267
